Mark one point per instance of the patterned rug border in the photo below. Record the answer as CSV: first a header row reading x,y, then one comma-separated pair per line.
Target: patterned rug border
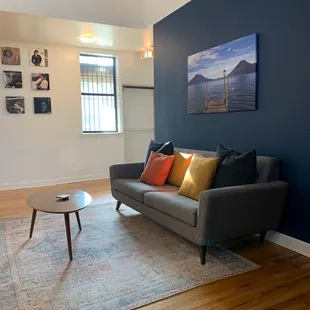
x,y
252,266
189,288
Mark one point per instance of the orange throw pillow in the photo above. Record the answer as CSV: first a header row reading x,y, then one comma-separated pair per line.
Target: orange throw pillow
x,y
157,169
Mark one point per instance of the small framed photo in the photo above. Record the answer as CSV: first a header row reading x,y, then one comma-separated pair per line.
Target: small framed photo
x,y
10,56
40,81
15,105
12,79
42,105
39,57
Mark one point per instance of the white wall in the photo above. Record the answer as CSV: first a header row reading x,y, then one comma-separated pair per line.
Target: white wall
x,y
48,149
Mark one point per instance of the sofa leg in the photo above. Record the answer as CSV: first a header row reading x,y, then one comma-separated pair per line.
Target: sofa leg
x,y
118,205
202,251
262,236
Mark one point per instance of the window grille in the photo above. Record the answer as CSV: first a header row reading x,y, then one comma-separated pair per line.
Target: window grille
x,y
98,92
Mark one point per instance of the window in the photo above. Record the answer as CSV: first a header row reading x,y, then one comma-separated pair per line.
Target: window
x,y
98,92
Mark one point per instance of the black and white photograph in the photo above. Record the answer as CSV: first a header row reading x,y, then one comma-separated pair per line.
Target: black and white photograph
x,y
10,56
40,81
15,105
39,57
12,79
42,105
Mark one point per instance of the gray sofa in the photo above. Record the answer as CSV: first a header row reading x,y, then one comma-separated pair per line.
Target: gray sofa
x,y
220,214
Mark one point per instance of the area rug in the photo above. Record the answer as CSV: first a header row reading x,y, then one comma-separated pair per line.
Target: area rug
x,y
121,260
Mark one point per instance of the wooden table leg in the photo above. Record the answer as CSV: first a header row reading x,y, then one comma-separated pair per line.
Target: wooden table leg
x,y
78,220
67,221
34,213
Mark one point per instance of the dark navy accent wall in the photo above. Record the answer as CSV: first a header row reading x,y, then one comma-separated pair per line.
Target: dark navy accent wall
x,y
281,125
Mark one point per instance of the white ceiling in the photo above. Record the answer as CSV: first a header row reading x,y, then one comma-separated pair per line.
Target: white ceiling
x,y
37,29
126,13
116,24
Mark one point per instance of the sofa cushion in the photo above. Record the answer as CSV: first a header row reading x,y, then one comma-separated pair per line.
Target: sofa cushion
x,y
179,168
200,152
158,147
267,168
157,169
136,189
179,207
235,168
199,176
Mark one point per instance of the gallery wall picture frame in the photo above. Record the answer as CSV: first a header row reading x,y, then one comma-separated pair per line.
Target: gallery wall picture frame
x,y
12,79
40,81
38,57
10,56
223,78
42,105
15,104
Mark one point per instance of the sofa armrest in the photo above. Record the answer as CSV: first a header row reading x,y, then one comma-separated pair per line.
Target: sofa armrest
x,y
232,212
132,170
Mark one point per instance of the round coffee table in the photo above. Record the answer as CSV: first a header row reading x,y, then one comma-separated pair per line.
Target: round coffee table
x,y
46,201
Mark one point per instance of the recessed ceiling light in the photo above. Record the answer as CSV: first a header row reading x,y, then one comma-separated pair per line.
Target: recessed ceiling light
x,y
87,38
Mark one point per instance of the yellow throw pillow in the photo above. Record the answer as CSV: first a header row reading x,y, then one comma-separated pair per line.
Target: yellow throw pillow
x,y
199,176
179,167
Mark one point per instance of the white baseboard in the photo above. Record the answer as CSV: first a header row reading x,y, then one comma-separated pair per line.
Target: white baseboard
x,y
9,186
288,242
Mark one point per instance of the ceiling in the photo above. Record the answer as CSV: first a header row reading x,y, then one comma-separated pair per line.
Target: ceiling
x,y
116,24
125,13
37,29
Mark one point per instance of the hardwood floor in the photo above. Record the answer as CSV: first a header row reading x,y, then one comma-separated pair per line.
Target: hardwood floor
x,y
13,202
282,282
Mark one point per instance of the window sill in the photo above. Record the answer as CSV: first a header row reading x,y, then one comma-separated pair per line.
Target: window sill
x,y
90,134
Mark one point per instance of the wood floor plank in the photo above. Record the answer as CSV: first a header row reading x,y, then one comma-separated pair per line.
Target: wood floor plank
x,y
282,282
13,202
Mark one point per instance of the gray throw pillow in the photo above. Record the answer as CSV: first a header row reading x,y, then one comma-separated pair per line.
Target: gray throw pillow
x,y
235,168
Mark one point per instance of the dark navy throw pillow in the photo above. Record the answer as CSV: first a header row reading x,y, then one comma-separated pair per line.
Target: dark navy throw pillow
x,y
235,168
